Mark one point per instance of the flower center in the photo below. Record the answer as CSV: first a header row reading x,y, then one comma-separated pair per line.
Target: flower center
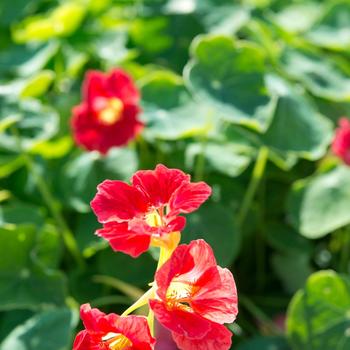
x,y
111,112
117,341
179,295
154,219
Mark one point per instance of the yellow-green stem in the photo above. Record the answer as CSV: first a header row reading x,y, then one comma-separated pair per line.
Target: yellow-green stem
x,y
257,174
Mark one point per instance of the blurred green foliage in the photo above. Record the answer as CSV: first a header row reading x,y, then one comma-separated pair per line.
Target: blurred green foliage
x,y
220,81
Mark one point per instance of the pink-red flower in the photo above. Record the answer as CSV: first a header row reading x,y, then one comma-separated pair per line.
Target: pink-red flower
x,y
112,332
341,141
147,210
108,115
195,297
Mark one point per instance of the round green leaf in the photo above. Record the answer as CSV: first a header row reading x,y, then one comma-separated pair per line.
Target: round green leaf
x,y
49,330
215,224
169,111
321,76
228,78
318,315
24,283
332,31
264,343
319,204
38,85
82,175
297,126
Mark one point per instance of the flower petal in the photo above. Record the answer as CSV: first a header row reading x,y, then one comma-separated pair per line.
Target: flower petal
x,y
159,184
90,317
182,322
188,197
216,299
136,329
124,240
218,338
117,201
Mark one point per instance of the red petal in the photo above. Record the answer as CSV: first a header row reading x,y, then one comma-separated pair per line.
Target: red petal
x,y
188,197
182,322
188,263
218,338
117,201
159,184
120,84
136,329
82,341
94,85
124,240
216,298
90,317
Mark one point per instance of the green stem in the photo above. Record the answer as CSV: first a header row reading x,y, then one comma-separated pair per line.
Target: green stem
x,y
67,235
257,175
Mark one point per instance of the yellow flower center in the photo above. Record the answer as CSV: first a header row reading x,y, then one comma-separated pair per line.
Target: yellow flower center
x,y
179,295
112,112
154,219
117,341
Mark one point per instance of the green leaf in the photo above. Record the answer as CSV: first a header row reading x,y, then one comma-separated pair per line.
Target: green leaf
x,y
319,204
24,284
321,76
215,224
84,173
297,126
318,315
38,85
26,60
227,77
332,31
169,111
49,330
35,123
62,21
18,213
228,159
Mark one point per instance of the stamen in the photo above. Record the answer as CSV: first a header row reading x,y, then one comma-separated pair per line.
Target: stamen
x,y
112,112
179,295
117,341
153,219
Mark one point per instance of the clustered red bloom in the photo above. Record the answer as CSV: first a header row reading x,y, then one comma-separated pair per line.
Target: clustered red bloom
x,y
341,141
195,297
191,298
112,332
108,115
147,210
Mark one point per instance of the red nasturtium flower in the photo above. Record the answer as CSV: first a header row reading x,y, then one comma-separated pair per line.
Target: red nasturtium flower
x,y
112,332
195,297
341,141
147,211
107,117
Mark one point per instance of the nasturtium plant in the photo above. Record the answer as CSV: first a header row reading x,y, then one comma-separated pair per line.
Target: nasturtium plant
x,y
318,315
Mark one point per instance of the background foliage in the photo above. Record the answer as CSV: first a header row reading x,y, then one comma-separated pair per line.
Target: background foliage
x,y
242,94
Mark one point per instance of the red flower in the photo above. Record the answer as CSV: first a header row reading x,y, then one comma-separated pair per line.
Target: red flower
x,y
147,210
341,141
108,115
112,332
195,297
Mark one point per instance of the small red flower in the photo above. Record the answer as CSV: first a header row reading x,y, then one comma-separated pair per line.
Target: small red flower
x,y
112,332
341,141
148,209
195,297
107,117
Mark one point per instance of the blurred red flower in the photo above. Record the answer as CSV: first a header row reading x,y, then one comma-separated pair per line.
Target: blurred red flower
x,y
107,117
112,332
195,297
147,211
341,141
